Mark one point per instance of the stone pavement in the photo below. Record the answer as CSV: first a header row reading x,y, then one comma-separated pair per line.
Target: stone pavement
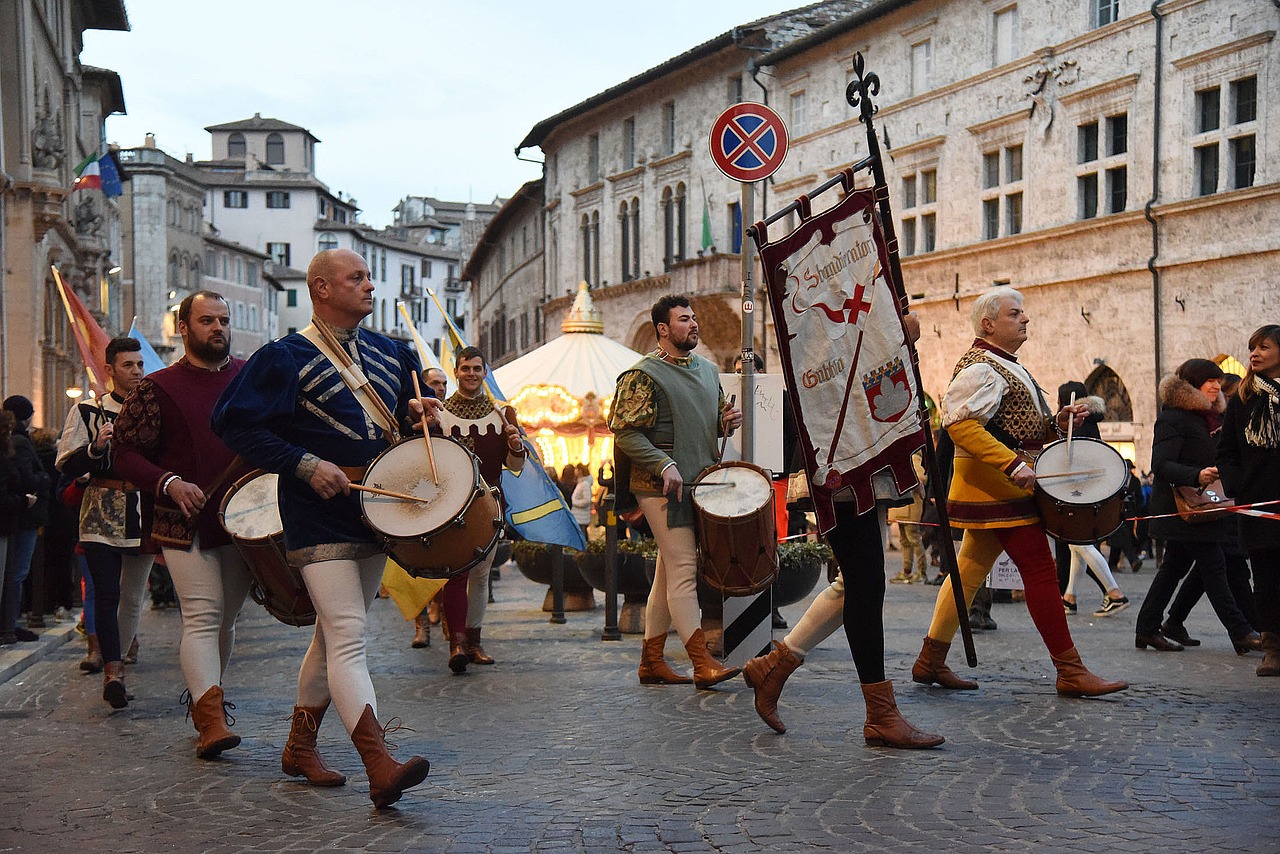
x,y
557,748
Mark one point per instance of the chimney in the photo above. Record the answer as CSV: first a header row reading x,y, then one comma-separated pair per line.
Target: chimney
x,y
149,141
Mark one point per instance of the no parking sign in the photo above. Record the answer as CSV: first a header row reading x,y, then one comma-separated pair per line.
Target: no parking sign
x,y
748,142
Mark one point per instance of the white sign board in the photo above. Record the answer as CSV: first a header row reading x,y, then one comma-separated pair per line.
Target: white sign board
x,y
1004,574
767,426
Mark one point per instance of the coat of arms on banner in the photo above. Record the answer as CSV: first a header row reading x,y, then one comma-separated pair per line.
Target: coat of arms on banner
x,y
844,351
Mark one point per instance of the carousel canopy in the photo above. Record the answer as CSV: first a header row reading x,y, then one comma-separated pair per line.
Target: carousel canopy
x,y
564,383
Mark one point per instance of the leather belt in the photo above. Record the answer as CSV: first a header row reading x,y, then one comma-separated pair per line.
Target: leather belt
x,y
355,474
113,483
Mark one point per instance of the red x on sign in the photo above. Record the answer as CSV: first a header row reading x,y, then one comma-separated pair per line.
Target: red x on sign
x,y
748,142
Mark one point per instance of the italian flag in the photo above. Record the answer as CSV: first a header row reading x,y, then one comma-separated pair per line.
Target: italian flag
x,y
88,175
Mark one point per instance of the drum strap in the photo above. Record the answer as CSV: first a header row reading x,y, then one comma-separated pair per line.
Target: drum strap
x,y
353,377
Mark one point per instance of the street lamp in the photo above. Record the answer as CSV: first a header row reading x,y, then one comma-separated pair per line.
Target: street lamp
x,y
74,392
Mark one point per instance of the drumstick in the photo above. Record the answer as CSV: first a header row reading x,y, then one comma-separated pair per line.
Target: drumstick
x,y
709,483
426,437
403,496
1082,473
733,398
1070,426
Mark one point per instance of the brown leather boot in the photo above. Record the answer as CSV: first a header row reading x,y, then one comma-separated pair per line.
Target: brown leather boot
x,y
93,658
458,652
300,757
421,632
387,778
1270,665
931,667
766,674
706,670
886,727
131,657
433,610
211,718
654,669
113,690
475,652
1075,680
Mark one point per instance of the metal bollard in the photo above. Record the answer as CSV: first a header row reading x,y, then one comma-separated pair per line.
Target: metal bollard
x,y
611,632
557,585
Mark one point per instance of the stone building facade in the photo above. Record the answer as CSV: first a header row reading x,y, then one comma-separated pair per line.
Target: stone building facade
x,y
1110,159
52,112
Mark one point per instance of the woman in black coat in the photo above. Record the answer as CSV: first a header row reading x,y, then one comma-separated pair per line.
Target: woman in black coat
x,y
1249,462
15,498
1183,451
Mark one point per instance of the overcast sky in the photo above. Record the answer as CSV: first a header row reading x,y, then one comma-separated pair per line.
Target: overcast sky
x,y
407,98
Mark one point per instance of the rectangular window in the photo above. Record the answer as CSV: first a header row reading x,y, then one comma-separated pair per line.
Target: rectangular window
x,y
921,67
991,219
1206,157
1087,143
1106,12
1005,31
1117,134
907,240
1087,194
1244,161
990,170
277,199
426,268
1117,189
593,158
1208,108
928,186
909,191
279,253
1013,164
735,227
291,298
734,92
928,232
1244,100
1013,213
629,143
406,279
235,199
669,127
799,117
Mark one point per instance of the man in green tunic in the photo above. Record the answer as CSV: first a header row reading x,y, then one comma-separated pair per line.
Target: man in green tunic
x,y
667,412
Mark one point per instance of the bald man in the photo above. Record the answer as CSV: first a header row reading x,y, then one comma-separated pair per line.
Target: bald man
x,y
290,411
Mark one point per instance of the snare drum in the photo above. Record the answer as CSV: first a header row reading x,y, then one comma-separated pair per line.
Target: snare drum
x,y
737,535
251,515
452,529
1081,502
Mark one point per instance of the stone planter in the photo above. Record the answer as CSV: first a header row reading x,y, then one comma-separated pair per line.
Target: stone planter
x,y
536,566
634,582
797,580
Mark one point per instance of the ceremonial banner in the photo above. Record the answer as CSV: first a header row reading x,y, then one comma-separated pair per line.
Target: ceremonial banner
x,y
844,351
151,361
90,340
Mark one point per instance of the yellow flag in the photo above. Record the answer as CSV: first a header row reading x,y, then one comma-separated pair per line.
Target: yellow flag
x,y
410,594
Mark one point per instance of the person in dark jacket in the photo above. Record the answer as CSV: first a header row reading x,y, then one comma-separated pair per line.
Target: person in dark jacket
x,y
1249,462
22,542
1182,454
16,496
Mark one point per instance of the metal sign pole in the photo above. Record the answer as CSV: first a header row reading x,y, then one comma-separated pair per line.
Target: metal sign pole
x,y
748,331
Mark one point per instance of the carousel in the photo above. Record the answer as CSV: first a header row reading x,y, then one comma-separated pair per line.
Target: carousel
x,y
562,391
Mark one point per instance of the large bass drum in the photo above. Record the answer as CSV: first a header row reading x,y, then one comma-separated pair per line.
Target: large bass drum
x,y
737,534
250,513
455,525
1080,501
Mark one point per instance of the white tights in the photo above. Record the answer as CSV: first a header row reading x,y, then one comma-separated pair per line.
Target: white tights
x,y
211,585
335,665
134,572
478,591
1082,555
674,595
824,615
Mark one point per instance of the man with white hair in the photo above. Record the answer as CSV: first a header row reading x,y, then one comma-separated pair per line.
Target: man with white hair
x,y
998,418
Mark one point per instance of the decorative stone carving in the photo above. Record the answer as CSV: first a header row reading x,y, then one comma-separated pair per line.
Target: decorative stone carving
x,y
47,146
1042,95
88,220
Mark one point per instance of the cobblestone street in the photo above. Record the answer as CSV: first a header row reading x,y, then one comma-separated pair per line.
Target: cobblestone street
x,y
557,748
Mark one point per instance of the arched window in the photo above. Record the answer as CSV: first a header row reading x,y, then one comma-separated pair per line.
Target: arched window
x,y
1105,383
595,256
668,229
586,248
235,145
275,149
624,237
193,275
327,241
175,272
682,210
635,238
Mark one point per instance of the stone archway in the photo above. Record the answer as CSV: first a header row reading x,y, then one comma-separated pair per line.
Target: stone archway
x,y
1106,384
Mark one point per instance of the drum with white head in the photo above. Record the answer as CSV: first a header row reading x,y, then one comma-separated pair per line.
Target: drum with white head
x,y
1080,490
737,533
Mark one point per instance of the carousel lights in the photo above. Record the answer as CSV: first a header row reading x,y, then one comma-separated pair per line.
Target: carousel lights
x,y
546,404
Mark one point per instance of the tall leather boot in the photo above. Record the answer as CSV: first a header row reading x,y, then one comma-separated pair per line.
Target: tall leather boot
x,y
421,631
886,727
113,690
300,757
458,652
766,674
387,778
931,667
1075,680
475,652
1270,665
654,669
131,656
706,670
212,721
93,658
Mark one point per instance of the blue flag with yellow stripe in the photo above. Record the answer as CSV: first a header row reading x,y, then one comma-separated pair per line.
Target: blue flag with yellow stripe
x,y
536,508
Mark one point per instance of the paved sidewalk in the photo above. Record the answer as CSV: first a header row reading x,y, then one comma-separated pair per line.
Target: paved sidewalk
x,y
557,748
